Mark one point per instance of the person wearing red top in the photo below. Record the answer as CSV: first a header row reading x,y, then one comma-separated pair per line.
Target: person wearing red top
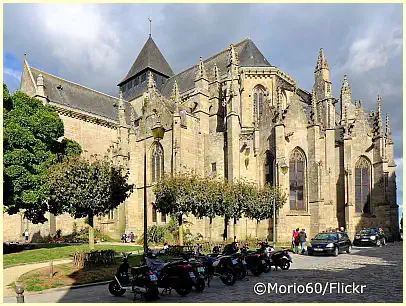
x,y
296,240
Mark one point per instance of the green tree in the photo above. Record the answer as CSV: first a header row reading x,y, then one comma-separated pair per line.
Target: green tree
x,y
86,189
31,146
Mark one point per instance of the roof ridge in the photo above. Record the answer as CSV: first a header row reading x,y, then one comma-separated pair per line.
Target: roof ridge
x,y
88,88
211,57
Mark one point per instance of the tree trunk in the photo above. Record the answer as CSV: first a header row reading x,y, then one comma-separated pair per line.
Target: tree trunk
x,y
210,228
256,229
225,234
234,228
180,221
91,232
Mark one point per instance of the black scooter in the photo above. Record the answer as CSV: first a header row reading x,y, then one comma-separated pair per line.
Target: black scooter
x,y
178,275
281,259
142,281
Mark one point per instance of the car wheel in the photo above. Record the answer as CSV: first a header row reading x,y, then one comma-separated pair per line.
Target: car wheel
x,y
310,253
335,252
349,249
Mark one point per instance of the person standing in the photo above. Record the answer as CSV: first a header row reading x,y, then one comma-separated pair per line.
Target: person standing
x,y
26,235
132,237
302,240
296,236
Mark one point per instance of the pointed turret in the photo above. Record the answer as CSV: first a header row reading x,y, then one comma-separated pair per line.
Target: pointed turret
x,y
388,132
322,61
216,73
40,89
121,110
175,93
232,62
378,118
201,70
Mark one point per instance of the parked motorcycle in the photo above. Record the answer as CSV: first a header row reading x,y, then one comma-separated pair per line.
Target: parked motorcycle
x,y
254,260
200,270
177,274
281,259
141,280
220,265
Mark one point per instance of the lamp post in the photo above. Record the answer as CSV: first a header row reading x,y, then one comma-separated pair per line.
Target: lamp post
x,y
158,132
284,169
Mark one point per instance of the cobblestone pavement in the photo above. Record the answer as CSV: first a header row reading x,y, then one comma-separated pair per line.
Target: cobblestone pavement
x,y
378,269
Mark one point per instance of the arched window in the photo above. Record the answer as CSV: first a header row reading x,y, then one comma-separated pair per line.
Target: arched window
x,y
269,168
154,212
297,179
362,185
157,163
258,94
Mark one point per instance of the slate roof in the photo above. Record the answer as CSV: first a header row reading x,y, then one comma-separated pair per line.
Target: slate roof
x,y
149,57
79,97
248,56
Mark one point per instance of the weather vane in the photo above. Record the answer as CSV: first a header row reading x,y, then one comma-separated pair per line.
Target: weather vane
x,y
150,21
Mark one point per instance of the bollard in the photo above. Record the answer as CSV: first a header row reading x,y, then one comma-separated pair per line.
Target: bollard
x,y
20,293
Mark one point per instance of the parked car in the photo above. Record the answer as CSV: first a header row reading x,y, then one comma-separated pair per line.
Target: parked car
x,y
329,243
370,236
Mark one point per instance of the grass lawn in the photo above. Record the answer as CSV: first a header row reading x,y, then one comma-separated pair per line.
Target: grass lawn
x,y
66,275
41,255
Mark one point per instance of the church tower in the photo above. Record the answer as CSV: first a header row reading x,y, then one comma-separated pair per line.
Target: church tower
x,y
323,92
150,59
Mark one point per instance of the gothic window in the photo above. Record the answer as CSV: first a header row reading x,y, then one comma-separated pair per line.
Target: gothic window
x,y
154,213
362,185
157,163
269,168
297,180
143,77
111,214
258,94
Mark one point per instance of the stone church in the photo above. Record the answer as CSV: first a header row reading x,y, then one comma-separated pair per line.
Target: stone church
x,y
232,115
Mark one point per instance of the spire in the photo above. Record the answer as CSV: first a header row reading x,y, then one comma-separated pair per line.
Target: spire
x,y
150,57
345,88
150,22
388,133
216,74
201,70
151,81
379,124
233,59
175,92
321,61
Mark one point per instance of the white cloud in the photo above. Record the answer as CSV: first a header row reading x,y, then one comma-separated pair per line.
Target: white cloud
x,y
80,37
374,49
13,73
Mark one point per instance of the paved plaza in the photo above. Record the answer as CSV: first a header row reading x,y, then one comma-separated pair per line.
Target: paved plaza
x,y
366,275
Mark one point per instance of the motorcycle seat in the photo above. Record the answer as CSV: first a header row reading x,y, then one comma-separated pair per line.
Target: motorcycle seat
x,y
139,270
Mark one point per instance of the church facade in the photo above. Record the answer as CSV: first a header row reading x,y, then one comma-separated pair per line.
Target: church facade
x,y
232,115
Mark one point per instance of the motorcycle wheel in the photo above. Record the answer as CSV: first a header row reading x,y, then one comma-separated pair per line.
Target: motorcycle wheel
x,y
241,273
115,289
266,267
152,292
184,288
228,278
285,265
200,285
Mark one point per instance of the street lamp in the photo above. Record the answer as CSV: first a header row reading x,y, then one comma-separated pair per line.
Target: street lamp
x,y
284,169
158,132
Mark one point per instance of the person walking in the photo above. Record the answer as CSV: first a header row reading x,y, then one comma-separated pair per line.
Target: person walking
x,y
124,238
296,236
132,237
302,240
293,240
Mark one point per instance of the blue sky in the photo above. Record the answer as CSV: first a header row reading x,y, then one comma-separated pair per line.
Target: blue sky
x,y
96,44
